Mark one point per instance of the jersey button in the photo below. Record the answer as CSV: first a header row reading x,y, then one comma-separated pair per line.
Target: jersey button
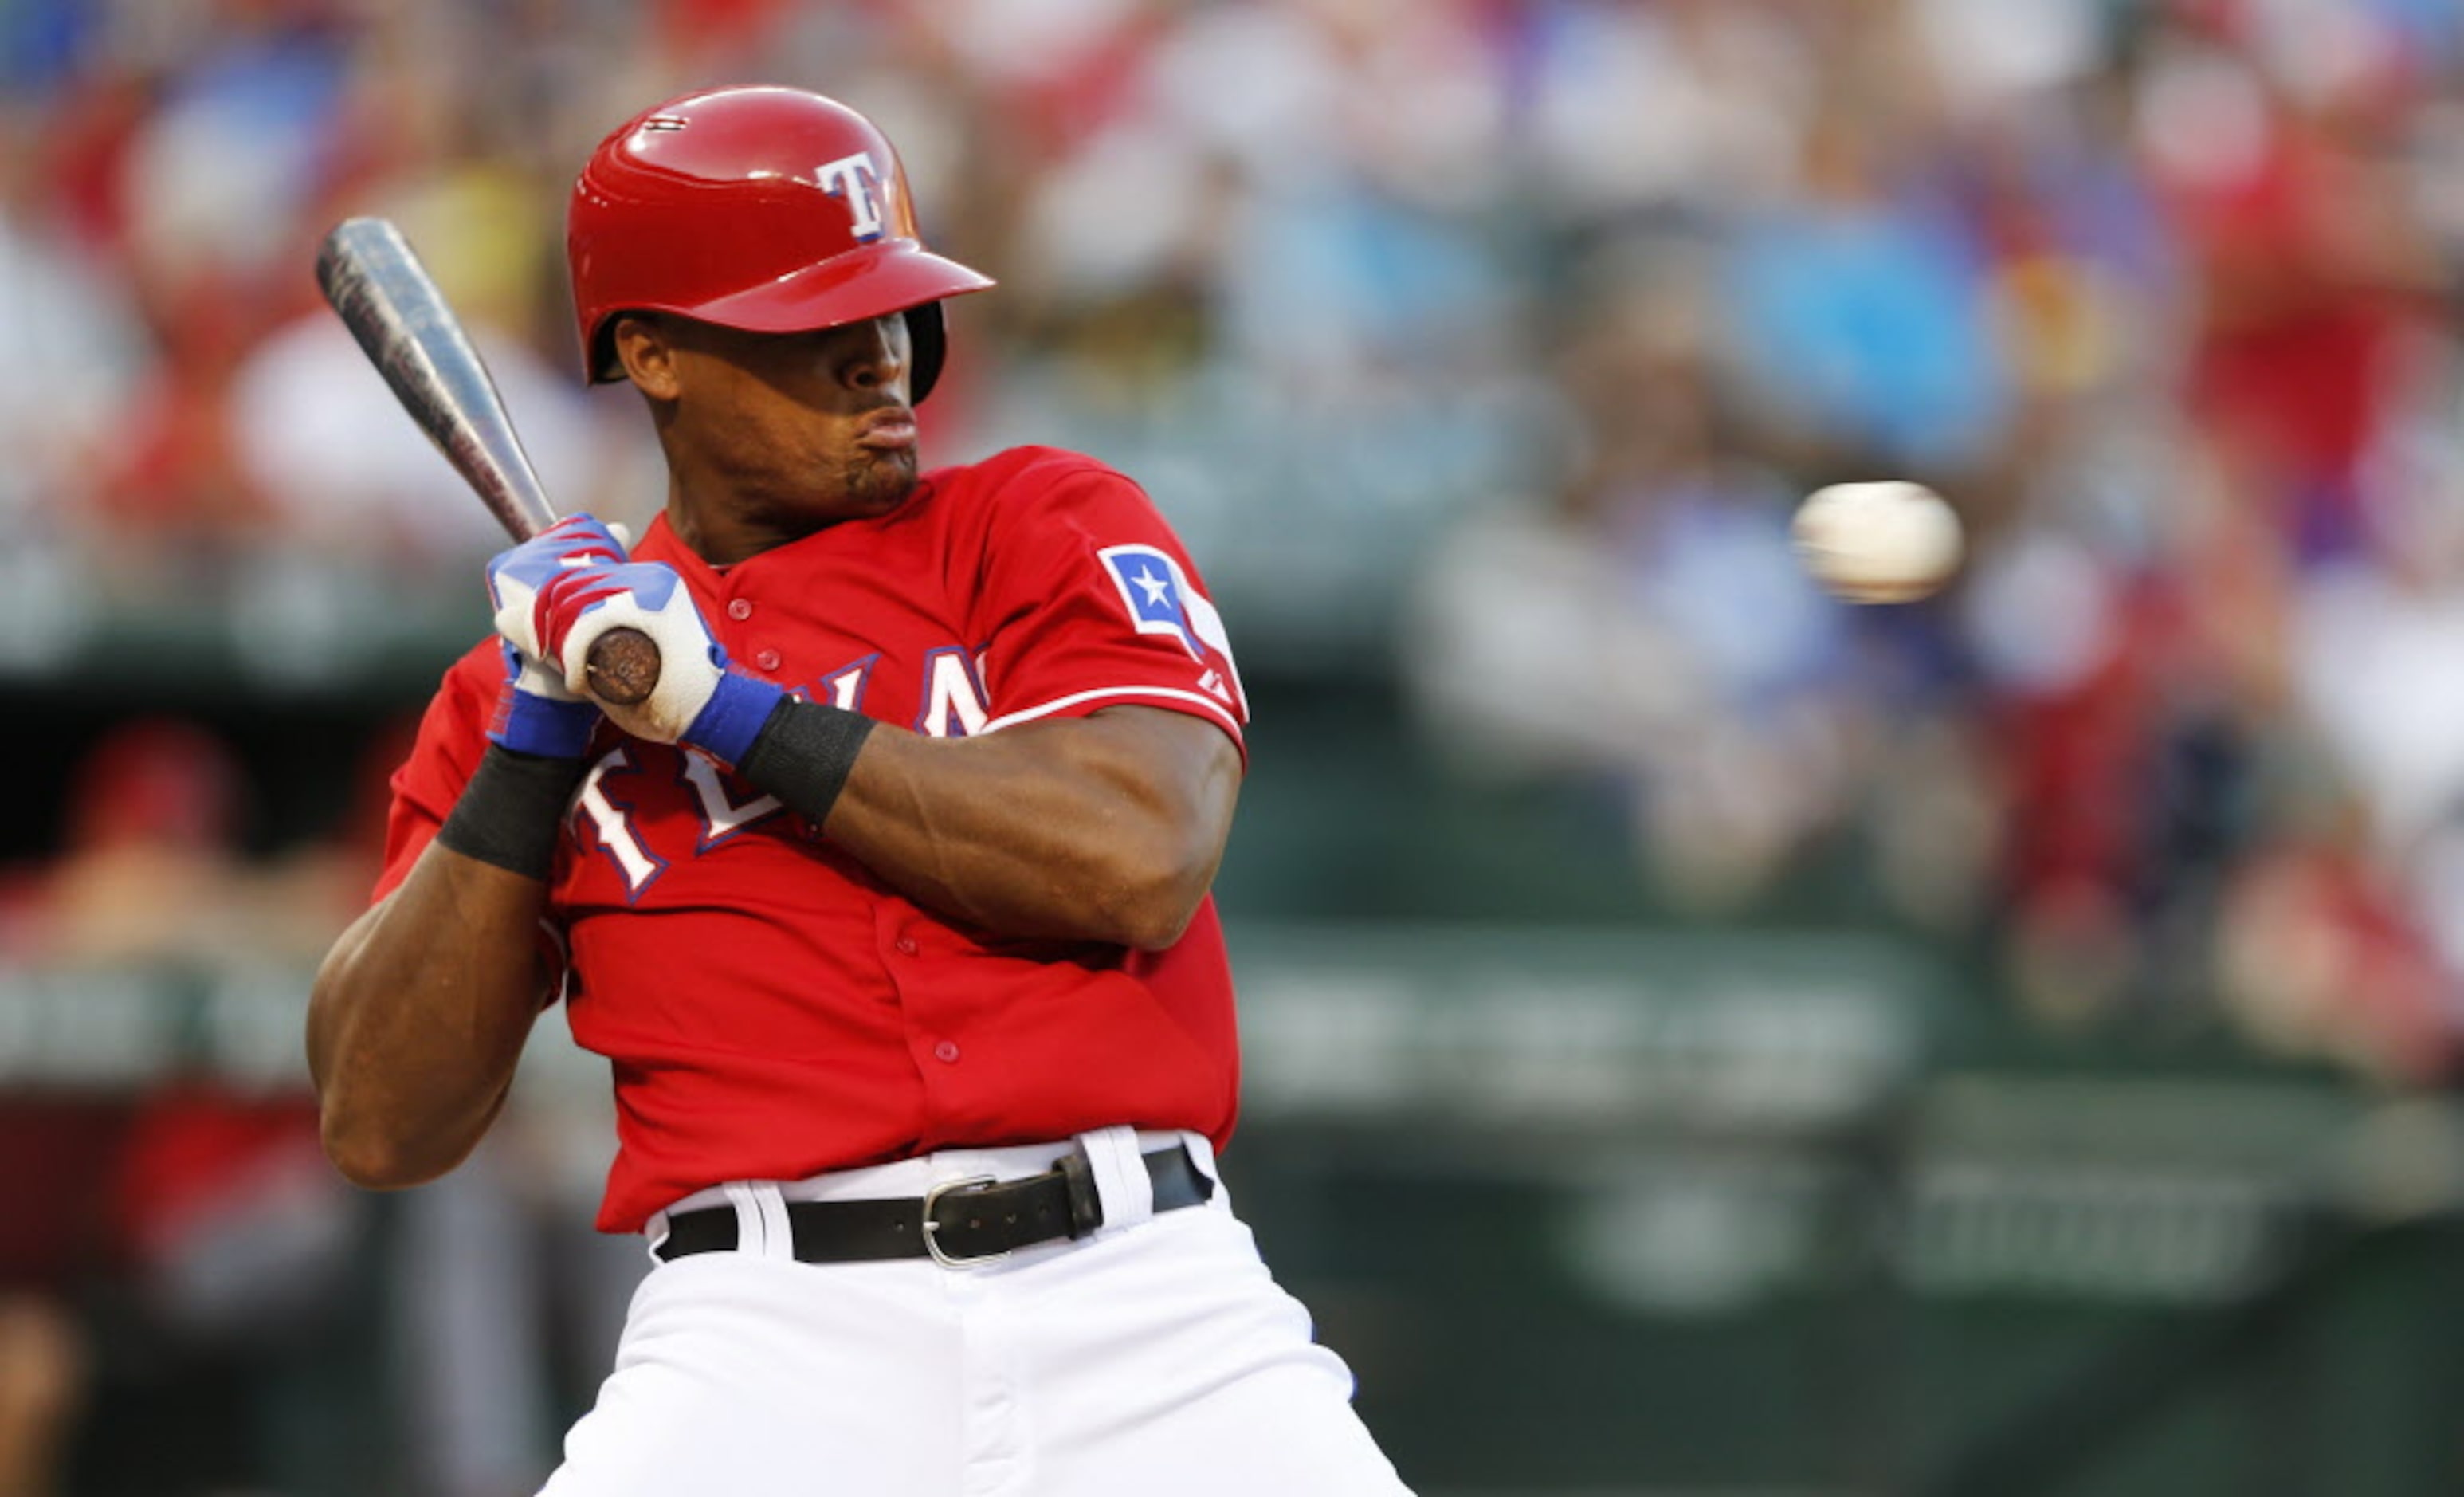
x,y
907,945
946,1052
740,609
767,659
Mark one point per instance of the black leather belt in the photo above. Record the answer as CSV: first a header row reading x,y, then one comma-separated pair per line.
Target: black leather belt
x,y
955,1223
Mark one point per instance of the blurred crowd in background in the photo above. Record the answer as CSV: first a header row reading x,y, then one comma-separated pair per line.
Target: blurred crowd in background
x,y
1479,349
1486,345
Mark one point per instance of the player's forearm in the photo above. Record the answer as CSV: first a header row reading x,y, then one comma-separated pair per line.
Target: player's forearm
x,y
418,1017
1108,829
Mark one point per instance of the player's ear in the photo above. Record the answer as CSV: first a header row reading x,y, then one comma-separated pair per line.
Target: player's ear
x,y
647,355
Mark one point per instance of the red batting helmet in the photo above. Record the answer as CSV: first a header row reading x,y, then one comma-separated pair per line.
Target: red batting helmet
x,y
769,209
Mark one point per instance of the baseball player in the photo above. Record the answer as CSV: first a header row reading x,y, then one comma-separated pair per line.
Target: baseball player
x,y
888,907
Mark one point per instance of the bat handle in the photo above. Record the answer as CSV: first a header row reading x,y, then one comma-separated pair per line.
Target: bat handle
x,y
624,667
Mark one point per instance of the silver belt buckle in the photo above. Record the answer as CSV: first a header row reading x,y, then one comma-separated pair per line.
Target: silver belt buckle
x,y
933,1245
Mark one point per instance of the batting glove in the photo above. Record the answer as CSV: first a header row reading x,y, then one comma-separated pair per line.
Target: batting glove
x,y
698,701
515,576
535,714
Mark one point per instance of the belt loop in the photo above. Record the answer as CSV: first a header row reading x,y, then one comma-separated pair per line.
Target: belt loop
x,y
778,1231
749,1232
1120,1176
762,1227
655,1235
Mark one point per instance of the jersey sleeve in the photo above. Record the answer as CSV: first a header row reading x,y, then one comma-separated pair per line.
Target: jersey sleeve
x,y
452,735
1088,600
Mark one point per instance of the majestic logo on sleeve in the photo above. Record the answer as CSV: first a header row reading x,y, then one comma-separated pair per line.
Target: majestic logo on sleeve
x,y
1160,601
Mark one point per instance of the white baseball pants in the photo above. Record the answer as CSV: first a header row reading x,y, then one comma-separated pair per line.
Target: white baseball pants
x,y
1157,1356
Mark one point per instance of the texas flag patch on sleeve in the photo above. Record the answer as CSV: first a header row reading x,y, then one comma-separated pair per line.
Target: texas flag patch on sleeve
x,y
1161,601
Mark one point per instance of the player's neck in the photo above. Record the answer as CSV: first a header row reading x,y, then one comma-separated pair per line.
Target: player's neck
x,y
730,528
718,538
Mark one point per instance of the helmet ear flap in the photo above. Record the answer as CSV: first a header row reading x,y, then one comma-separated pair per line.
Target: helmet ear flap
x,y
605,368
929,341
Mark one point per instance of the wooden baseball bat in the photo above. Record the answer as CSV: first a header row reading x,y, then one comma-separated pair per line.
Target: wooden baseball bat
x,y
387,298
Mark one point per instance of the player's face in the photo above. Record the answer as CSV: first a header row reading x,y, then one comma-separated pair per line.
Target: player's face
x,y
793,431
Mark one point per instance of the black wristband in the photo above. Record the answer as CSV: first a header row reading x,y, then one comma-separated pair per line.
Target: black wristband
x,y
803,755
509,812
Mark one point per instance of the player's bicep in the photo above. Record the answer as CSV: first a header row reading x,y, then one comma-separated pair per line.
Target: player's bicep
x,y
1189,763
548,957
1160,781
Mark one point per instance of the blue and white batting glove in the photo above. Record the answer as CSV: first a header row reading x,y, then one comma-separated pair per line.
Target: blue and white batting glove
x,y
699,701
535,714
515,576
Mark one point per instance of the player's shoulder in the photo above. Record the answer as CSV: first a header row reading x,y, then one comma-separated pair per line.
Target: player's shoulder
x,y
478,676
453,732
482,664
1025,475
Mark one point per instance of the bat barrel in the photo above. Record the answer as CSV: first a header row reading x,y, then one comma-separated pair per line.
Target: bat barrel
x,y
403,322
384,296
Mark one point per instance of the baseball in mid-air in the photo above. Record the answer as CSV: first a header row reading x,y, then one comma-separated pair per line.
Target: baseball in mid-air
x,y
1890,541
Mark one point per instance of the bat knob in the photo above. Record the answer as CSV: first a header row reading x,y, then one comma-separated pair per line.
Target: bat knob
x,y
624,667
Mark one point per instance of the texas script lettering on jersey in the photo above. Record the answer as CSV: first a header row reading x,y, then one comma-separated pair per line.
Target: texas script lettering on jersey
x,y
954,706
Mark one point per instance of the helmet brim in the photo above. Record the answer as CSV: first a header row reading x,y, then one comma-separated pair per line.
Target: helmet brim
x,y
894,275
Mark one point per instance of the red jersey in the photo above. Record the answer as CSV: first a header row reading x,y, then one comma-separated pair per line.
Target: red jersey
x,y
770,1009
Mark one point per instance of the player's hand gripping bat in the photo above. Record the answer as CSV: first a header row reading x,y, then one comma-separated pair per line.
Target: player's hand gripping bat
x,y
384,297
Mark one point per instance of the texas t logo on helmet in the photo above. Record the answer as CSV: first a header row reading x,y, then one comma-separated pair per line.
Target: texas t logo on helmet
x,y
851,177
